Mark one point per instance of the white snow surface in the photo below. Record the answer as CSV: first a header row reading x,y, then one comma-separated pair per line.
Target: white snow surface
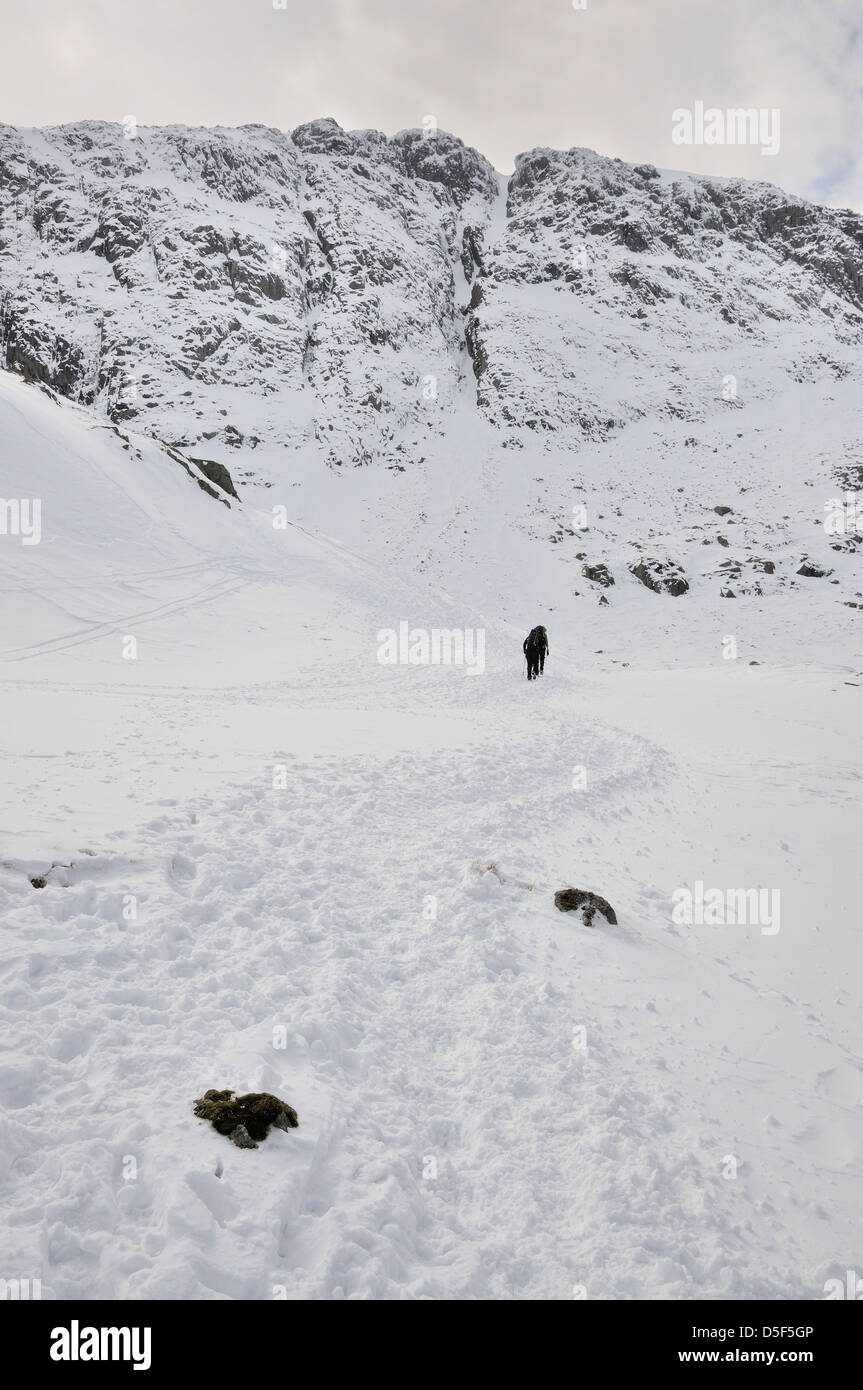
x,y
285,812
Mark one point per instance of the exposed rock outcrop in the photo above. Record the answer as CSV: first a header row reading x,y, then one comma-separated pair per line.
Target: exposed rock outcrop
x,y
217,473
662,576
578,900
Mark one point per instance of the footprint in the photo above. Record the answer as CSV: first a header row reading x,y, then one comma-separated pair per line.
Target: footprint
x,y
182,869
217,1200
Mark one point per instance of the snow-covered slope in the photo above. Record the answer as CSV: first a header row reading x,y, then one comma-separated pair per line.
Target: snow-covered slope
x,y
267,857
268,863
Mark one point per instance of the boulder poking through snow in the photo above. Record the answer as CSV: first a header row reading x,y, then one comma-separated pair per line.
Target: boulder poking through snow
x,y
577,899
598,574
662,576
217,473
245,1119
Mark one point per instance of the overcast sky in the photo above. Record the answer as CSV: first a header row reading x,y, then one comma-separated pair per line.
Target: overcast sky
x,y
504,75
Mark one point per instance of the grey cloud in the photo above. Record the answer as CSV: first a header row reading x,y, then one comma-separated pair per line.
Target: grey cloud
x,y
505,75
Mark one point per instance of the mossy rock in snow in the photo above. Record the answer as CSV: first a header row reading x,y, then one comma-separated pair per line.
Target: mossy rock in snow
x,y
245,1119
573,899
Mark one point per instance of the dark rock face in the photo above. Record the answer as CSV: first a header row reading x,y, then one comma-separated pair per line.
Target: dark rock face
x,y
722,511
472,262
476,350
196,473
217,473
600,574
324,136
809,570
245,1119
662,576
444,159
33,351
576,899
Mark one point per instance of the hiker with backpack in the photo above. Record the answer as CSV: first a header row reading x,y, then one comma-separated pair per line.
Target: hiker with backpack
x,y
535,648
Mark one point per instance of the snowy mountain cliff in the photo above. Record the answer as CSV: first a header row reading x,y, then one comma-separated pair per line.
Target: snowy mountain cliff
x,y
639,339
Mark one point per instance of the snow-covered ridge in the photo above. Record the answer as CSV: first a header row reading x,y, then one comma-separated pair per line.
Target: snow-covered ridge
x,y
239,284
245,284
650,344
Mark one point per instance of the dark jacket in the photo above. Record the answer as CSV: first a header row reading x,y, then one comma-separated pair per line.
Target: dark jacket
x,y
537,638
